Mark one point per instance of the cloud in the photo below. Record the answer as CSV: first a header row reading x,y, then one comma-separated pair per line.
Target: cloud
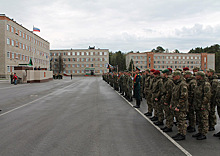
x,y
125,25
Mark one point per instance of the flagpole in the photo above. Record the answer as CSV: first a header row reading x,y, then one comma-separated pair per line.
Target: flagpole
x,y
33,48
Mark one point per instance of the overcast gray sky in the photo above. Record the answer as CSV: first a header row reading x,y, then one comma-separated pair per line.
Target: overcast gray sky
x,y
126,25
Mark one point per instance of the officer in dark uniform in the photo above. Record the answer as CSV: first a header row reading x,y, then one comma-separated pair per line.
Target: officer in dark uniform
x,y
137,88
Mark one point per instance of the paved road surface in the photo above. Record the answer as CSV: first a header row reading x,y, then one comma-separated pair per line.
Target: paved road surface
x,y
82,117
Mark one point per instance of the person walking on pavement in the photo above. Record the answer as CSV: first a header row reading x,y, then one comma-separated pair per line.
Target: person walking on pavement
x,y
71,76
137,88
15,79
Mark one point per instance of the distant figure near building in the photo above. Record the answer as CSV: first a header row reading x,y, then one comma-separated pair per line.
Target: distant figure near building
x,y
11,76
71,76
15,79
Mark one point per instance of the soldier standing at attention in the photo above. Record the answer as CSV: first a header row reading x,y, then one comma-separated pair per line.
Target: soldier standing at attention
x,y
166,98
143,83
137,88
213,80
179,104
191,81
130,85
201,101
156,95
217,100
147,88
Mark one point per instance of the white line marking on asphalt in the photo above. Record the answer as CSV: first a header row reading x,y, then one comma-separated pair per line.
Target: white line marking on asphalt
x,y
13,86
167,136
37,99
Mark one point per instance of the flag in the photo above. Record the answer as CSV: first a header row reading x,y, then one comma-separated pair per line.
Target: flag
x,y
36,29
30,62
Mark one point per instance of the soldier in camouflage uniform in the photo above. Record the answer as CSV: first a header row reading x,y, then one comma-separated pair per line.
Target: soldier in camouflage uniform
x,y
217,100
213,80
191,81
115,77
156,95
148,86
143,83
130,87
120,81
179,104
201,102
166,98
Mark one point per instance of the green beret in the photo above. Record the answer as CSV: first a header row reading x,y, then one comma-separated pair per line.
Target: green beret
x,y
147,70
211,70
165,71
187,73
200,73
175,73
178,69
196,68
138,68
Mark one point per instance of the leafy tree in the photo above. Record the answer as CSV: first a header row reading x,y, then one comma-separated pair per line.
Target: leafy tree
x,y
176,51
117,59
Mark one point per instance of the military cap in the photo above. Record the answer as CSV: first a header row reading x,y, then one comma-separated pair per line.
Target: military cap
x,y
177,72
187,73
137,68
170,69
178,69
156,72
147,70
165,71
200,73
211,70
196,68
186,68
152,70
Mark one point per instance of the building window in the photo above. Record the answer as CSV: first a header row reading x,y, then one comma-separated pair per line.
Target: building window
x,y
82,53
78,53
77,71
73,71
82,59
171,57
68,65
69,59
8,54
100,53
91,65
187,57
87,59
82,65
8,69
105,53
73,65
12,55
174,57
23,46
91,53
100,65
73,53
8,41
78,65
12,29
87,65
12,42
68,53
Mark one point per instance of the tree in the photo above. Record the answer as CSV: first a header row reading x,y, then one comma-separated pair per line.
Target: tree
x,y
58,65
159,49
117,59
176,51
130,65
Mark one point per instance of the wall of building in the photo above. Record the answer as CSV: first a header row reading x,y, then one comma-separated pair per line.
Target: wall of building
x,y
161,61
81,61
2,48
21,45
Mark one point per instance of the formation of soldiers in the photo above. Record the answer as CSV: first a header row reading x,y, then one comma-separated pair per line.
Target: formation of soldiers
x,y
173,98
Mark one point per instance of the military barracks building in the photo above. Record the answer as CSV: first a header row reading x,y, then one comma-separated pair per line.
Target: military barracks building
x,y
18,45
89,61
161,61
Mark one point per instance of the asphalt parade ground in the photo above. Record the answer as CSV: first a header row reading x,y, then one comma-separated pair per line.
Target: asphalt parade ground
x,y
84,117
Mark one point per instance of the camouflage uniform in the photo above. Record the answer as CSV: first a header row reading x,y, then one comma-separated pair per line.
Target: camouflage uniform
x,y
202,95
214,84
179,100
166,98
191,81
148,91
115,81
130,85
120,83
156,93
143,85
